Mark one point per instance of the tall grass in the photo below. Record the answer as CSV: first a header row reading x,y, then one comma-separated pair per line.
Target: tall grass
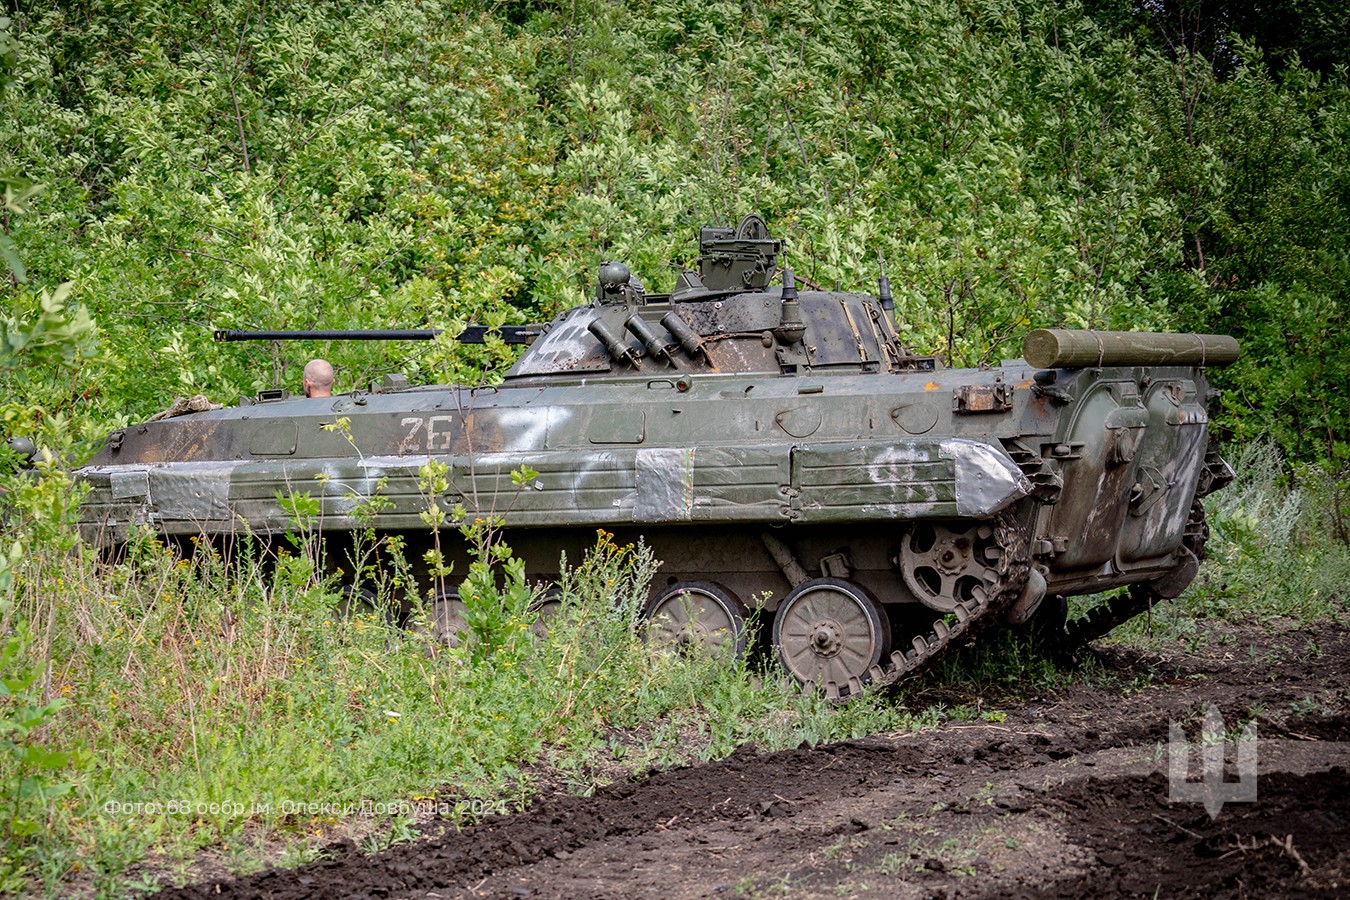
x,y
221,703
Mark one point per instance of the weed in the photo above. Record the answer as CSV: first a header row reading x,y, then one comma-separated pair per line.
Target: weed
x,y
963,713
842,846
1270,551
1307,705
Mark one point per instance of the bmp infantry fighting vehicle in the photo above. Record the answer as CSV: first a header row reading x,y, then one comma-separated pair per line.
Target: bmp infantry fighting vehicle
x,y
776,446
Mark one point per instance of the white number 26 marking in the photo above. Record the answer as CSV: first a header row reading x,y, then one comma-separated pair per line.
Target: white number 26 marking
x,y
434,433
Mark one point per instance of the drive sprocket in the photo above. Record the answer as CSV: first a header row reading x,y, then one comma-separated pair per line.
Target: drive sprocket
x,y
970,614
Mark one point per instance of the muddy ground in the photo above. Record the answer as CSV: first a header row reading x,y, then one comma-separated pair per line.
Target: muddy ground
x,y
1065,797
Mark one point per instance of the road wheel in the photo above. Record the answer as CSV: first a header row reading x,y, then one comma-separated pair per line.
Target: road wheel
x,y
548,605
946,563
832,633
448,617
697,615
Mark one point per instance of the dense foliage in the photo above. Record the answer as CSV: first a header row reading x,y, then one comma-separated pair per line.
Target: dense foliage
x,y
1015,163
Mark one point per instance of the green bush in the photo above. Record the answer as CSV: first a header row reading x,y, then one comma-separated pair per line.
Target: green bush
x,y
1273,549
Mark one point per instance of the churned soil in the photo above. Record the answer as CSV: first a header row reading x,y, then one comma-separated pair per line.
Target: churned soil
x,y
1066,796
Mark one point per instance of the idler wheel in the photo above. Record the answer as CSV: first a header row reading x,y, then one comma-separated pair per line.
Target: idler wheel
x,y
944,563
830,631
697,616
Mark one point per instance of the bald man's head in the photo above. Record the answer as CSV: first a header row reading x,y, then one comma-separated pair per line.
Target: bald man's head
x,y
318,378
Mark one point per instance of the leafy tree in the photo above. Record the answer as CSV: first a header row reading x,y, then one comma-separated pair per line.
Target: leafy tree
x,y
1258,163
1290,33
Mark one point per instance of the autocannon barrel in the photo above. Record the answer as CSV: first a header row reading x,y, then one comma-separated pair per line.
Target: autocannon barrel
x,y
474,334
1054,348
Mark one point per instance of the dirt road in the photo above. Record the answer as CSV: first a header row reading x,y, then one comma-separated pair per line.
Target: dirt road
x,y
1065,797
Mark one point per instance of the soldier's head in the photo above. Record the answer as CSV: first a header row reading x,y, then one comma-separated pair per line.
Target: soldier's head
x,y
318,378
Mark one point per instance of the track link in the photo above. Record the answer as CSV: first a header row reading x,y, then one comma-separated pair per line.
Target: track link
x,y
972,616
1116,610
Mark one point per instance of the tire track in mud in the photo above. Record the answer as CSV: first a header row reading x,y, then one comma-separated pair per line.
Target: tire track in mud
x,y
1065,798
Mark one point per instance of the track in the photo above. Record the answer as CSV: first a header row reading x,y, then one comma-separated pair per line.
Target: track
x,y
972,616
1118,609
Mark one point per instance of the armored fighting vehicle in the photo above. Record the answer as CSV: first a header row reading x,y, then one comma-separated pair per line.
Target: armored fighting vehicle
x,y
775,444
